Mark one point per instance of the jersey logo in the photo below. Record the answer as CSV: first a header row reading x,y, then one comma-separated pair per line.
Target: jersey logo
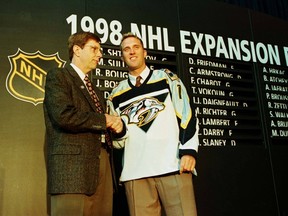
x,y
26,79
143,111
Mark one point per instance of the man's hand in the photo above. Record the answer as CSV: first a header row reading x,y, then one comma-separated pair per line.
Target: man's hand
x,y
188,163
114,123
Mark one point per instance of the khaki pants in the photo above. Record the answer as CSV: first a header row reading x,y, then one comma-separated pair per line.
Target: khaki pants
x,y
98,204
174,192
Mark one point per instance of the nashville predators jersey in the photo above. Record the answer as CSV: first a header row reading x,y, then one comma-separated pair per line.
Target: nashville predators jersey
x,y
161,126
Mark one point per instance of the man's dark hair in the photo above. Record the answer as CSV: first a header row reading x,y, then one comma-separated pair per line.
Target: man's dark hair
x,y
80,39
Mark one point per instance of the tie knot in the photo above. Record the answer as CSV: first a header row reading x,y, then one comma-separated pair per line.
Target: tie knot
x,y
88,82
86,78
138,81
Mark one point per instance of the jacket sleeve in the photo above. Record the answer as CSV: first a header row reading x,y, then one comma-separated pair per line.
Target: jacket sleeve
x,y
118,140
187,120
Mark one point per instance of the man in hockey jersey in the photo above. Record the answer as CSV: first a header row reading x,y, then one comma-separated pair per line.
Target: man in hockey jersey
x,y
161,142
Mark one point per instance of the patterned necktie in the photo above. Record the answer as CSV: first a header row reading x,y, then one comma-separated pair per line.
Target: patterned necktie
x,y
93,94
138,79
98,106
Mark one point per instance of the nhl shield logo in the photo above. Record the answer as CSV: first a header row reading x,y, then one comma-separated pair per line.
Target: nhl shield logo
x,y
26,79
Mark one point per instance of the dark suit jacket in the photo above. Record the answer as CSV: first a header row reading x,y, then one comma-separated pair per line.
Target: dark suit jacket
x,y
73,133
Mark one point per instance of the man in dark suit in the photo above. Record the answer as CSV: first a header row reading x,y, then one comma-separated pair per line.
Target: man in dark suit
x,y
78,166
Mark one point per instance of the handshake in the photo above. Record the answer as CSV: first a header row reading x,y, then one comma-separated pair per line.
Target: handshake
x,y
114,123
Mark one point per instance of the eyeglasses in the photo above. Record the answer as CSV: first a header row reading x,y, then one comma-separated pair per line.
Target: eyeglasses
x,y
94,49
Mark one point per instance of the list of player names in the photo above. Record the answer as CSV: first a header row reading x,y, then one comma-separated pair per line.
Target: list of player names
x,y
276,95
224,95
